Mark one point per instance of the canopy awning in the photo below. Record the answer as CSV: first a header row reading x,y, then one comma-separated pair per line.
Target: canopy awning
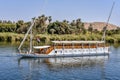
x,y
40,47
77,42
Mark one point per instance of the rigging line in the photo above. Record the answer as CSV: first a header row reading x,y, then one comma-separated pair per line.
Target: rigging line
x,y
26,34
110,12
103,38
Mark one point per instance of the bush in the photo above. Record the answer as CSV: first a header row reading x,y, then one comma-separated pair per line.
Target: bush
x,y
7,27
2,38
9,38
110,40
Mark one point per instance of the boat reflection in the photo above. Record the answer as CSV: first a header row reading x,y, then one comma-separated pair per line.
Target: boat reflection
x,y
40,67
64,62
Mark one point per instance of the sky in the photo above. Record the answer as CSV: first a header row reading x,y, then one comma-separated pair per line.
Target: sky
x,y
87,10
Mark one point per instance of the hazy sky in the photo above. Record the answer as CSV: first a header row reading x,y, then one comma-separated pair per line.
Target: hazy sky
x,y
87,10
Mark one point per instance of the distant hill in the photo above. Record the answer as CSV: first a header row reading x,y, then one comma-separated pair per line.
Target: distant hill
x,y
99,26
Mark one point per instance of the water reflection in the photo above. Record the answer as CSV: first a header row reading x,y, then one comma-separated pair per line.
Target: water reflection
x,y
65,62
116,45
62,66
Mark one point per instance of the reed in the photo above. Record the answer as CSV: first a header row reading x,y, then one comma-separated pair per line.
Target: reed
x,y
9,37
47,38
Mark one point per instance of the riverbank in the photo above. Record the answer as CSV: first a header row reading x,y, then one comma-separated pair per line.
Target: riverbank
x,y
14,37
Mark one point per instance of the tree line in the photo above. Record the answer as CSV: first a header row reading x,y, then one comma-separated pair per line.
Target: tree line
x,y
45,25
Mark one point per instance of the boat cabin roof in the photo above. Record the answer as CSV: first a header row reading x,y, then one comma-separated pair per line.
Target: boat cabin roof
x,y
40,47
76,42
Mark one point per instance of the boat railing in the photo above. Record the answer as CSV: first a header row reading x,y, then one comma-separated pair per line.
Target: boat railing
x,y
76,47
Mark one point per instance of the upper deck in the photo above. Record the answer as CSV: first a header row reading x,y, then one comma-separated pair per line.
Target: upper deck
x,y
78,42
70,45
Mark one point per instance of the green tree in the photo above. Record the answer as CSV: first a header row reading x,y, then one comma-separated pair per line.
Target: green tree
x,y
7,26
73,23
19,24
49,19
52,31
90,28
41,26
84,31
0,21
59,27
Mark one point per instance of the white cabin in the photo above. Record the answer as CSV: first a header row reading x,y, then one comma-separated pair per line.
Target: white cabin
x,y
70,48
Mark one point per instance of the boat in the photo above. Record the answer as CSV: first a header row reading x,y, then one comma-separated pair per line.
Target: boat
x,y
69,49
64,48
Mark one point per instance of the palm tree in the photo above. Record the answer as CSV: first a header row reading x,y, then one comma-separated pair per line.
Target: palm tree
x,y
90,28
52,31
65,21
49,19
78,23
73,23
19,26
96,30
0,21
78,20
40,24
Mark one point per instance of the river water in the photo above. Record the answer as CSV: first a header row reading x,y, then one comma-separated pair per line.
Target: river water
x,y
12,67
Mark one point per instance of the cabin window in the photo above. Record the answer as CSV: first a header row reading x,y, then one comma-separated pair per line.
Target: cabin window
x,y
55,51
70,51
91,50
86,50
83,50
94,50
75,51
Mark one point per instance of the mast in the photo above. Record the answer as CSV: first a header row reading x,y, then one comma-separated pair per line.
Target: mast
x,y
105,28
31,37
19,48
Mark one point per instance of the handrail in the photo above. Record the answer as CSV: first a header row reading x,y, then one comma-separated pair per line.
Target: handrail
x,y
78,46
